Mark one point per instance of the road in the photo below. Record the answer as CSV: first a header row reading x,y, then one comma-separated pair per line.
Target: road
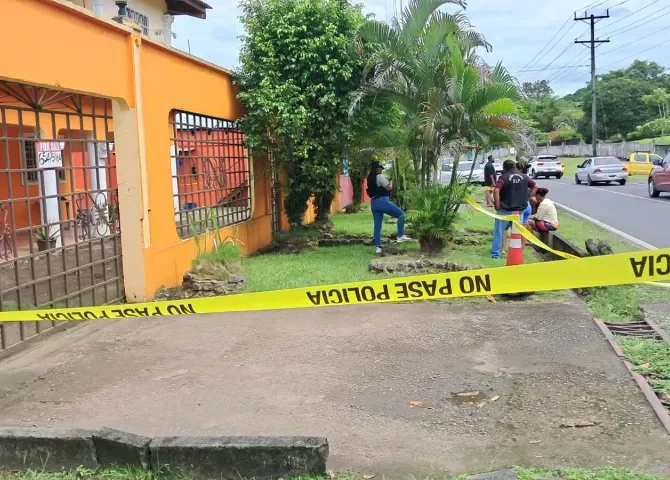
x,y
627,208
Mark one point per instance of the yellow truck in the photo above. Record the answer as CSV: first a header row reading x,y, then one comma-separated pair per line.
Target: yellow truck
x,y
641,163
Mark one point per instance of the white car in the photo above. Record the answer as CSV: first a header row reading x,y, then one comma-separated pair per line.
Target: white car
x,y
601,170
545,166
497,163
463,173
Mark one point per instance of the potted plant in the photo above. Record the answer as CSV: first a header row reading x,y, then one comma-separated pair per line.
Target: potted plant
x,y
46,238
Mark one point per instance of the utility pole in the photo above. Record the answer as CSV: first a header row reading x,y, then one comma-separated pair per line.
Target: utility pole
x,y
593,43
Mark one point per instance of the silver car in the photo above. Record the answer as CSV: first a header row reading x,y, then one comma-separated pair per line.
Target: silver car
x,y
463,173
601,170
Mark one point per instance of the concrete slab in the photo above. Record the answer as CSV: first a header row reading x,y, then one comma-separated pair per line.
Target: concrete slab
x,y
349,374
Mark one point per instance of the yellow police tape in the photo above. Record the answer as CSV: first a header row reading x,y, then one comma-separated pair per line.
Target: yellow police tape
x,y
617,269
528,235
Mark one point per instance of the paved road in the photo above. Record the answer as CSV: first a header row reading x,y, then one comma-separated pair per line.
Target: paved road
x,y
627,208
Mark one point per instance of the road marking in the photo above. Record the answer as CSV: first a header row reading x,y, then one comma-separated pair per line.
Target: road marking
x,y
613,230
601,189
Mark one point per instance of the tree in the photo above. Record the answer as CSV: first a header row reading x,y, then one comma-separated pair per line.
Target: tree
x,y
537,90
621,107
296,76
406,63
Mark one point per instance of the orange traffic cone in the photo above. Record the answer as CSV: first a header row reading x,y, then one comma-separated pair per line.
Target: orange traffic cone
x,y
515,252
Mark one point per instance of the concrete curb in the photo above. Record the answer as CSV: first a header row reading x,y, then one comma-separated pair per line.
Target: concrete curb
x,y
198,458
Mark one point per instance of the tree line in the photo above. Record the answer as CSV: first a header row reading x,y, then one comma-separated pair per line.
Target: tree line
x,y
632,104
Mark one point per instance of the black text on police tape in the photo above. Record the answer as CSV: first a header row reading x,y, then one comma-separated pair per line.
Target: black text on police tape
x,y
409,290
128,312
652,265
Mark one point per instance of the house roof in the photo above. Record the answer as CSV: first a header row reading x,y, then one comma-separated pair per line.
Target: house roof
x,y
192,8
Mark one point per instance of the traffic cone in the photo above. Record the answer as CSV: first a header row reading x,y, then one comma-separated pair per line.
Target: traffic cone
x,y
515,252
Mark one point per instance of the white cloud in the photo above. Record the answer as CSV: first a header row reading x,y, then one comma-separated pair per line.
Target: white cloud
x,y
517,29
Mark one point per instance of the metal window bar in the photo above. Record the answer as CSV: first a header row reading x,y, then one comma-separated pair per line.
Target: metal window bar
x,y
60,238
211,176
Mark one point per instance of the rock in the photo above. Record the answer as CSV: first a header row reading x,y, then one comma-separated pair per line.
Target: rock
x,y
507,474
237,278
390,268
401,267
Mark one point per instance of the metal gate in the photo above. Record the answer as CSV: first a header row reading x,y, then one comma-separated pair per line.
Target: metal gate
x,y
60,238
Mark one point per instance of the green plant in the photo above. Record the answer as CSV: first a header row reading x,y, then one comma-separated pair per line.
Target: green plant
x,y
434,213
46,234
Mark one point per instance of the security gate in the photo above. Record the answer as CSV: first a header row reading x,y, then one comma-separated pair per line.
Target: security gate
x,y
60,238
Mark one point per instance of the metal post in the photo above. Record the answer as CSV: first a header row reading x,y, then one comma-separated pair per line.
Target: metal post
x,y
593,43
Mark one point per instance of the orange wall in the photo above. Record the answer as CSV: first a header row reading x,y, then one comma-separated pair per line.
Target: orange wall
x,y
146,81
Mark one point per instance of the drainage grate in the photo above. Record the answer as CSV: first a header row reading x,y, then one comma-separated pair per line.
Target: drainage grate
x,y
648,331
640,329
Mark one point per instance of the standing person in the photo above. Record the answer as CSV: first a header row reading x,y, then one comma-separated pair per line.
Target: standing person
x,y
489,180
511,196
378,190
546,218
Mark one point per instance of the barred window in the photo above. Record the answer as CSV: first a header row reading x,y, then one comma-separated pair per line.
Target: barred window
x,y
210,173
30,161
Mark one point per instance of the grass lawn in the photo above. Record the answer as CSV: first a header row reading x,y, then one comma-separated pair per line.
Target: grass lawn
x,y
609,473
662,140
578,231
350,263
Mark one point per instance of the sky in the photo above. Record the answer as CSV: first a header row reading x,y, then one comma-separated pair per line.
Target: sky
x,y
518,30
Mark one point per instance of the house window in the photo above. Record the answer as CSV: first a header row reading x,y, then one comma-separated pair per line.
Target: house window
x,y
142,20
29,161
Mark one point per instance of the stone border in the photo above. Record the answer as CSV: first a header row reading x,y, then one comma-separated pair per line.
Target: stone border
x,y
198,458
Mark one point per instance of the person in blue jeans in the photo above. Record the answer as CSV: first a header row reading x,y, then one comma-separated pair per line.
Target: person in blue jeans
x,y
511,196
379,189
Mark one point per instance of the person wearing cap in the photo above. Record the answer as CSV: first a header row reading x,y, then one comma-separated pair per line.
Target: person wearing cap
x,y
511,197
379,189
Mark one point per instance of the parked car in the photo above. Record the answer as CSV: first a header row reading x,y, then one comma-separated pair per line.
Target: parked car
x,y
496,163
463,173
659,178
642,163
601,170
545,166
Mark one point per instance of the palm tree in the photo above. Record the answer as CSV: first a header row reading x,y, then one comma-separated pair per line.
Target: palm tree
x,y
406,62
465,109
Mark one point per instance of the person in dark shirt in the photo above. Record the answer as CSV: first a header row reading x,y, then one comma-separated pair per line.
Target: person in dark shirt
x,y
489,180
511,196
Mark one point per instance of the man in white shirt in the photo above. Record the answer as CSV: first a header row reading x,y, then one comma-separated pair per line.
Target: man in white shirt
x,y
546,218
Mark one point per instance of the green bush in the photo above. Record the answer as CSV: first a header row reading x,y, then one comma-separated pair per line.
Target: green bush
x,y
433,214
652,129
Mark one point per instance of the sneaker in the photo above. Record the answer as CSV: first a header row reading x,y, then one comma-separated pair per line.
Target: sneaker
x,y
403,239
378,251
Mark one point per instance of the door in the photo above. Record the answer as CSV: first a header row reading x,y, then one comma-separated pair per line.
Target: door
x,y
582,170
638,164
662,178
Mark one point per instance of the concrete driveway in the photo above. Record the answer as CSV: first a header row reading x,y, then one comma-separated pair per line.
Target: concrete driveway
x,y
627,208
349,374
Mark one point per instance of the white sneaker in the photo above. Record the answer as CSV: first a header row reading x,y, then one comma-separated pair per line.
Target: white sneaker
x,y
378,251
403,239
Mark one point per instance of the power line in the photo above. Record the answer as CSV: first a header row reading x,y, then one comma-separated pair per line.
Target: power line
x,y
553,68
627,44
636,54
533,61
631,14
612,34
